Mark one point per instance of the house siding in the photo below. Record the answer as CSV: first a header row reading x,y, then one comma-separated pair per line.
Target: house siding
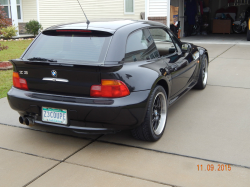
x,y
158,8
29,10
64,11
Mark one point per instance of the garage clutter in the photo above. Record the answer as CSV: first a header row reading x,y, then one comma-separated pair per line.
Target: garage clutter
x,y
197,14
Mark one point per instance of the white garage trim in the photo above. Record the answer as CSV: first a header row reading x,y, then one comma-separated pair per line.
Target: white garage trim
x,y
37,10
157,8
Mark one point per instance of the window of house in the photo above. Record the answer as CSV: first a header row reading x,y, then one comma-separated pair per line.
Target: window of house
x,y
129,6
140,46
163,41
7,8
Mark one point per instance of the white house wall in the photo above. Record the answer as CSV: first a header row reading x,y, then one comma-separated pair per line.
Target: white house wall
x,y
63,11
29,10
158,8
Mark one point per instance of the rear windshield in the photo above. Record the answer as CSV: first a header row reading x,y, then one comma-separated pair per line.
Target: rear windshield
x,y
74,48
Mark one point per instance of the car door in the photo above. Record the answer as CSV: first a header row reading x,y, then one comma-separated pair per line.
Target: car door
x,y
177,63
185,67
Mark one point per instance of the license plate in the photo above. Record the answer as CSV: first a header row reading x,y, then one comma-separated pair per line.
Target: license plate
x,y
54,115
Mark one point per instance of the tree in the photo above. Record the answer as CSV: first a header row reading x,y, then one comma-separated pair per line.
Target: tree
x,y
4,20
33,27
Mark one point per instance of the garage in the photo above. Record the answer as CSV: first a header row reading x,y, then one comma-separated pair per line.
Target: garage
x,y
208,20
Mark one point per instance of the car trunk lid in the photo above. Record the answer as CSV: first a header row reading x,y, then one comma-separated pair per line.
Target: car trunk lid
x,y
69,79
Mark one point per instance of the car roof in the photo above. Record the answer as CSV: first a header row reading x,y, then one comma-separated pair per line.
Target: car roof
x,y
104,25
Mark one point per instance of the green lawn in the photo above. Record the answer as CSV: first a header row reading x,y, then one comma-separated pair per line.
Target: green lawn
x,y
16,49
5,82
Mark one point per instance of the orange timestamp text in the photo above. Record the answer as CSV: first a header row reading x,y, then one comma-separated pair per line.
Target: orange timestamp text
x,y
211,167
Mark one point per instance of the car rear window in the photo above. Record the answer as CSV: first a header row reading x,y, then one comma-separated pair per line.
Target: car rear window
x,y
70,47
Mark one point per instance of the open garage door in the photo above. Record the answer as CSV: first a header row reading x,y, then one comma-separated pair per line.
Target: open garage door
x,y
213,17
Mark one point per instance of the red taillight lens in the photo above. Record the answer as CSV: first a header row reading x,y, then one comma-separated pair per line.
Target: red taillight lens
x,y
18,82
109,88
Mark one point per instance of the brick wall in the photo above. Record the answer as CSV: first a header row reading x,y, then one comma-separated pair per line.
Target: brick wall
x,y
159,19
22,29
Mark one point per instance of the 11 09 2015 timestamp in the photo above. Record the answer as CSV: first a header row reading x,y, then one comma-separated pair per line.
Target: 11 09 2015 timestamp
x,y
211,167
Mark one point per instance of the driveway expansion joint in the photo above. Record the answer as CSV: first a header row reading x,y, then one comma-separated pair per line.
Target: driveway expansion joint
x,y
122,174
176,154
222,53
38,130
228,86
103,141
29,154
61,161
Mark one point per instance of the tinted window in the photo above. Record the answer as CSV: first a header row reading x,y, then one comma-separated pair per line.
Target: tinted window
x,y
163,41
75,48
175,40
140,46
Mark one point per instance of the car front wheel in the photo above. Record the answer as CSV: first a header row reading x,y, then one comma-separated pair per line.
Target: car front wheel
x,y
156,117
203,74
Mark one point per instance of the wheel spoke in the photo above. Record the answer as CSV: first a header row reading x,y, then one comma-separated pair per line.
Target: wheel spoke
x,y
156,124
159,110
159,103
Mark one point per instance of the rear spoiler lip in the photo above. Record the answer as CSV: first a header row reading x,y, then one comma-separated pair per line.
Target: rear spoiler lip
x,y
81,28
114,65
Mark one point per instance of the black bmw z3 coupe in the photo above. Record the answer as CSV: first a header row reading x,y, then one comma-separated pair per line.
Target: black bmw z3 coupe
x,y
105,77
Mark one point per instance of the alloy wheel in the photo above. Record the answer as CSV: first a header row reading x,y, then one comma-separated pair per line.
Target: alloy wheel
x,y
159,113
204,72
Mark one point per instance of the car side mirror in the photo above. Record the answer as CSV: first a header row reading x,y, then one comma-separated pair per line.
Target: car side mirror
x,y
185,47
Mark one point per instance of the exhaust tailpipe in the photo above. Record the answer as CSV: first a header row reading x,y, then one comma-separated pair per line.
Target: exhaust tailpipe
x,y
21,120
29,121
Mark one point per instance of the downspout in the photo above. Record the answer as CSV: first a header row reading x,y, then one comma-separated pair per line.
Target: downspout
x,y
146,10
14,15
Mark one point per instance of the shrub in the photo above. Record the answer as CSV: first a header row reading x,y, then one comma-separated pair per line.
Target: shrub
x,y
33,27
3,47
9,32
4,20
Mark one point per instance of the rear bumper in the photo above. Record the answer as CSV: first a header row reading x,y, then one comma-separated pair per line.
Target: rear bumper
x,y
91,115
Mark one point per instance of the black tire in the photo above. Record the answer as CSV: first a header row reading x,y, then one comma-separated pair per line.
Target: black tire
x,y
237,29
156,118
248,34
203,74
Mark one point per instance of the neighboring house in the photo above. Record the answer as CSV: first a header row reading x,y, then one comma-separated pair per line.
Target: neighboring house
x,y
52,12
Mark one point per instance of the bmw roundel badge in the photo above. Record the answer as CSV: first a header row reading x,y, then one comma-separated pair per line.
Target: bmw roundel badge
x,y
54,73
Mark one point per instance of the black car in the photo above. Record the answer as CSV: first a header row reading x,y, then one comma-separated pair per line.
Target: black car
x,y
105,77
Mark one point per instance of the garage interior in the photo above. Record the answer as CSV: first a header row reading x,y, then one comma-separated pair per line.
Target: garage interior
x,y
207,19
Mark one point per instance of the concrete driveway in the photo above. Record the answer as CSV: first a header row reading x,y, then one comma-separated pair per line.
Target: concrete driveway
x,y
209,127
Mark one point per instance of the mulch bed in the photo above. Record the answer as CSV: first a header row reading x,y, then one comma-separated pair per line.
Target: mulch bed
x,y
5,65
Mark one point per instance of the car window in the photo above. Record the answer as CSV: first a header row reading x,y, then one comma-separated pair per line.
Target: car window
x,y
163,41
76,48
140,46
175,40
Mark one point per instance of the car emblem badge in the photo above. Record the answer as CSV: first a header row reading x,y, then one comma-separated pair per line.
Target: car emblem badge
x,y
54,73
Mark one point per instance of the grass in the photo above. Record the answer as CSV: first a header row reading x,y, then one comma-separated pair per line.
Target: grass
x,y
5,82
16,49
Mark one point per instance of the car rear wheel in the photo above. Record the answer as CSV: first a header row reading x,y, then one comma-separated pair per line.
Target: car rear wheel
x,y
202,80
156,117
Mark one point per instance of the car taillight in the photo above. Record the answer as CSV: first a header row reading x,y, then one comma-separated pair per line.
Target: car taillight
x,y
18,82
109,88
